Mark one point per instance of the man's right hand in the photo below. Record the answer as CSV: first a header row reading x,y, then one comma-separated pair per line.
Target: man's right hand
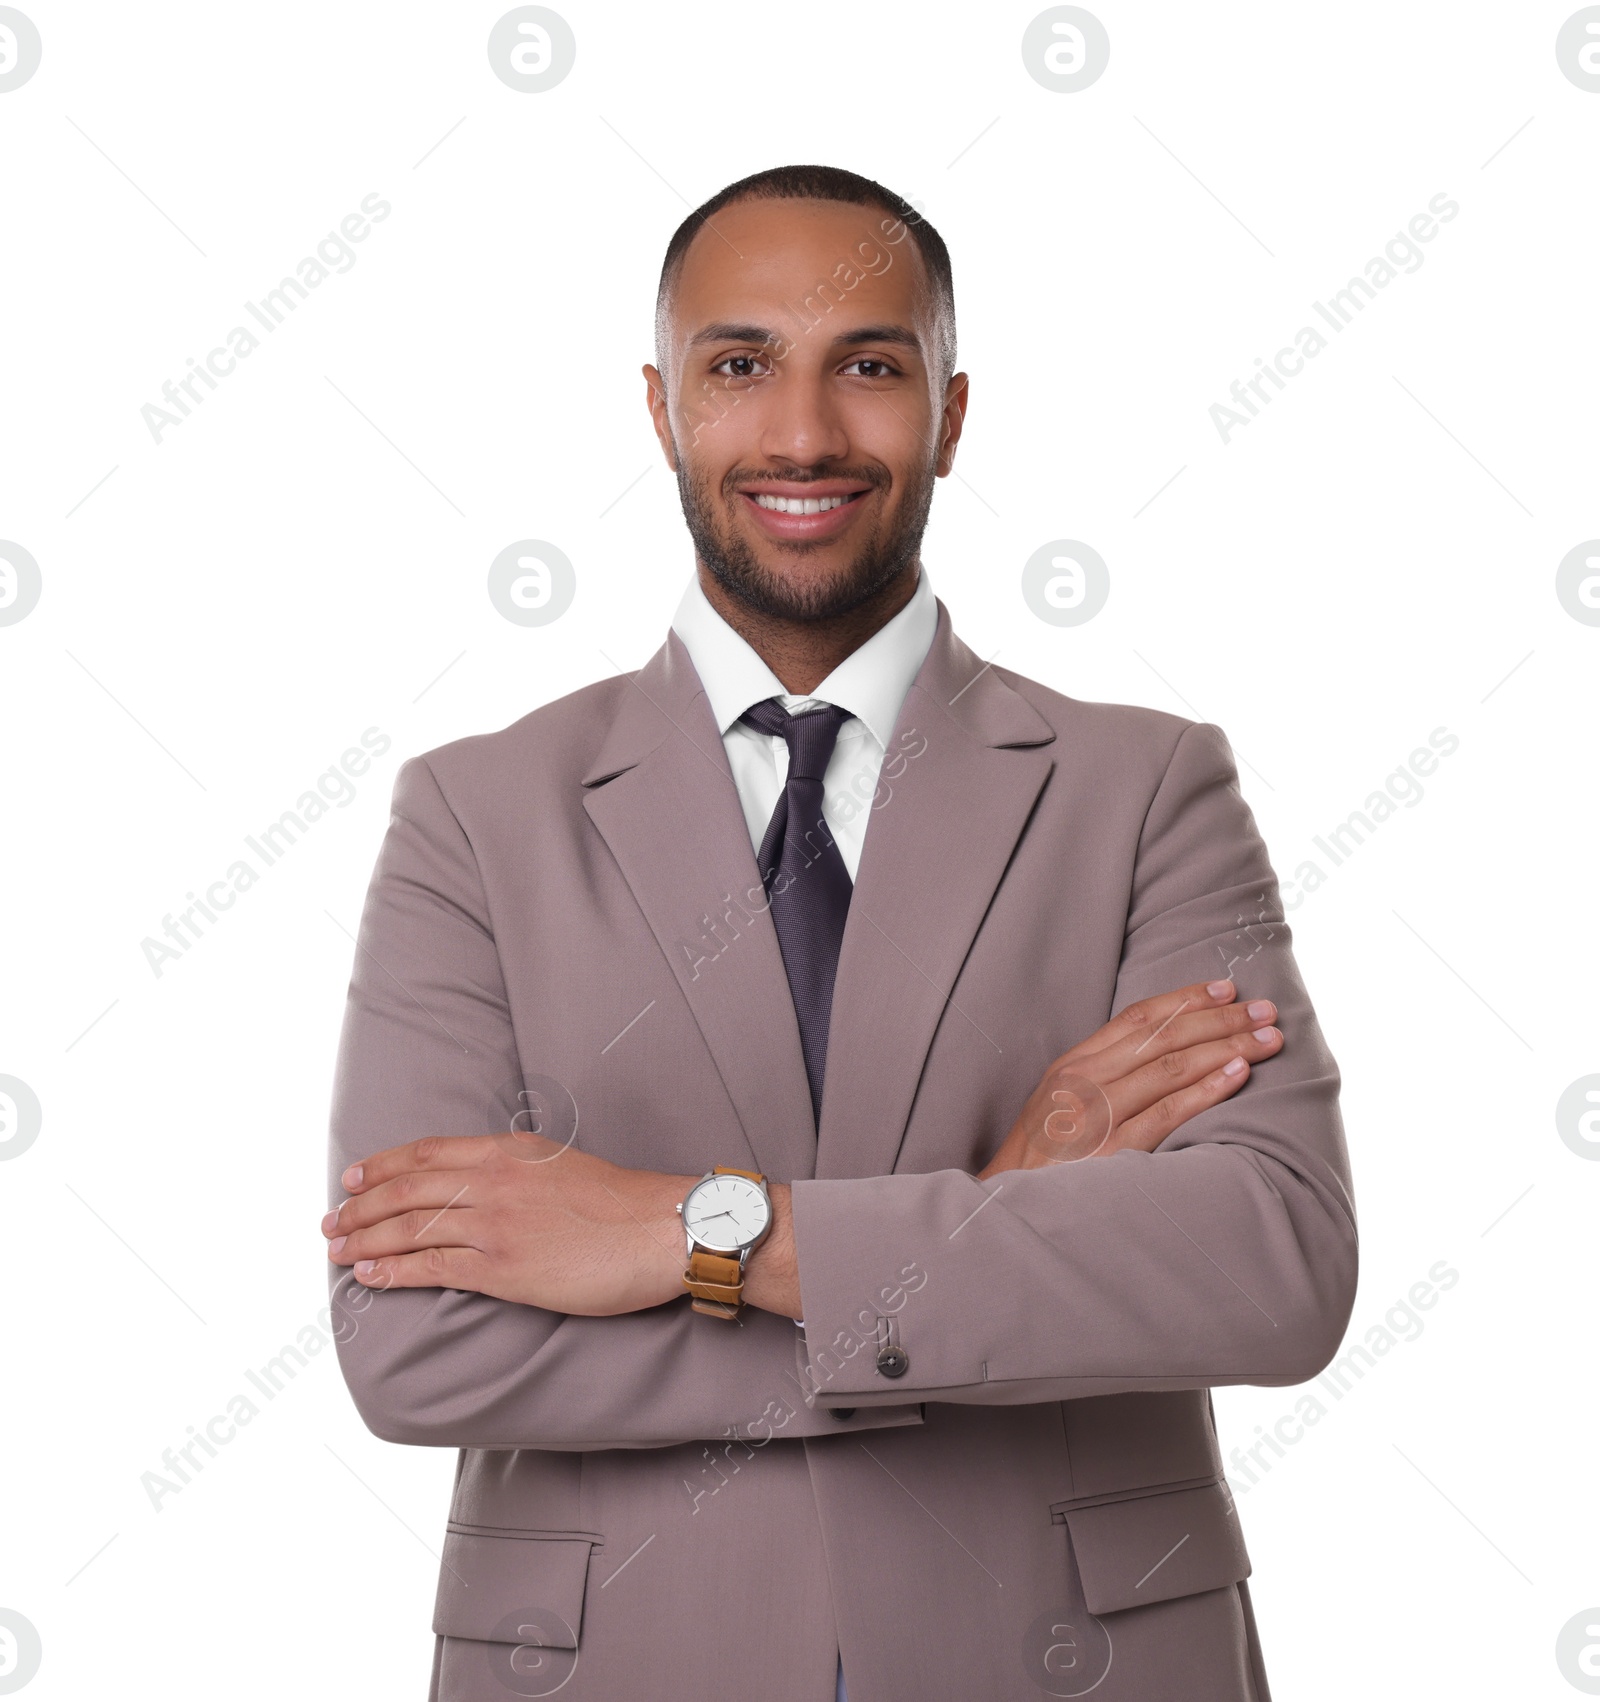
x,y
1132,1082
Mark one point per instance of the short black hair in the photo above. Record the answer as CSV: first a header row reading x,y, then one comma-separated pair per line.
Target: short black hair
x,y
820,183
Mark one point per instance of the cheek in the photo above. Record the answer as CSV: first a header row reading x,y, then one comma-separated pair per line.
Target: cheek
x,y
897,430
707,467
713,429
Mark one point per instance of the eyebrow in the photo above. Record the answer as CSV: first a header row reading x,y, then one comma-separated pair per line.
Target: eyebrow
x,y
900,334
727,331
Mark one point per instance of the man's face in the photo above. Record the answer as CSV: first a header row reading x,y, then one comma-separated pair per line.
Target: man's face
x,y
803,374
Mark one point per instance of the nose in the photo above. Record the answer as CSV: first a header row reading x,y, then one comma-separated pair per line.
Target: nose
x,y
801,424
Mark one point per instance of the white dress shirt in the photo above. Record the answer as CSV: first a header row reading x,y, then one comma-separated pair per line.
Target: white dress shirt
x,y
871,682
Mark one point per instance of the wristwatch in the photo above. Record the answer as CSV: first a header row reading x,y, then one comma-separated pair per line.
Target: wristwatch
x,y
726,1215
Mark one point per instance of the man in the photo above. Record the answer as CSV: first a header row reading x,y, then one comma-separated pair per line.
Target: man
x,y
910,1397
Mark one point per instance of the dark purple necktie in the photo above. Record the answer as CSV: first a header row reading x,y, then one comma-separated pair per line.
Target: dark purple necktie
x,y
807,883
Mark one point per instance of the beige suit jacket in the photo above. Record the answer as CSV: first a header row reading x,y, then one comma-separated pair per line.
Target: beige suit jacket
x,y
566,915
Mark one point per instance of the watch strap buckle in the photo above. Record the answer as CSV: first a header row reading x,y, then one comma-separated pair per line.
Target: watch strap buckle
x,y
715,1282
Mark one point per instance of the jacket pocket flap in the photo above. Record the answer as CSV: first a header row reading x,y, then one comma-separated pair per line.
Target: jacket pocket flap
x,y
1153,1547
515,1587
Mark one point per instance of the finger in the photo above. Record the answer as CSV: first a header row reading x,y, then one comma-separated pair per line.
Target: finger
x,y
410,1232
1180,1030
435,1267
1145,1015
1147,1131
432,1152
1197,995
417,1188
1141,1109
1136,1092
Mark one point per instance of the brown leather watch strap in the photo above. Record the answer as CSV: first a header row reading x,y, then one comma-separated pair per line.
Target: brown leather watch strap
x,y
716,1281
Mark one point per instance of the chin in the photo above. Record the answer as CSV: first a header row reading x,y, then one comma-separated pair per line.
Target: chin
x,y
810,590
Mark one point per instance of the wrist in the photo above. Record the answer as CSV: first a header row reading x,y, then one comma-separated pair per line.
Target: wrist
x,y
772,1275
667,1257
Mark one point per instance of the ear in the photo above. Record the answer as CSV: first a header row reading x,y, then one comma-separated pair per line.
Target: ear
x,y
950,423
656,401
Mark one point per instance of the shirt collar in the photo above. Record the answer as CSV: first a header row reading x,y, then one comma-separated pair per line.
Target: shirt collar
x,y
871,682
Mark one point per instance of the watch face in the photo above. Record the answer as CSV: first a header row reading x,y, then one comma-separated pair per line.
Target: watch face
x,y
726,1213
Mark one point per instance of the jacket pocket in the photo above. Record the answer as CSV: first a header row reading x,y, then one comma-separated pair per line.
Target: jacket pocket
x,y
1153,1547
510,1586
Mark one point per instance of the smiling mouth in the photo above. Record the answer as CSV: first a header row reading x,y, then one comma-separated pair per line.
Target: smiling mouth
x,y
802,504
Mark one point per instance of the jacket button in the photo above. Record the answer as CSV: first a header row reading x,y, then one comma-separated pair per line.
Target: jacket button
x,y
841,1413
893,1362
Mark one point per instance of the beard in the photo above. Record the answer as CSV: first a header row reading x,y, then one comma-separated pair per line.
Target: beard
x,y
881,559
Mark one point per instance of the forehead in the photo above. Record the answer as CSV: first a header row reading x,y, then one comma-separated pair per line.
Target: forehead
x,y
767,256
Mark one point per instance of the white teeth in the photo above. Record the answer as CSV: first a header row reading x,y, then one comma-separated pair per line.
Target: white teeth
x,y
801,504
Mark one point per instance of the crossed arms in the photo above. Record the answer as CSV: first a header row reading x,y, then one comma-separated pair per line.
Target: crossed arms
x,y
525,1218
505,1291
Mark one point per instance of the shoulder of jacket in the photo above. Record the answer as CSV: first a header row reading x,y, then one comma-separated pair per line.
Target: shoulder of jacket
x,y
1115,730
556,741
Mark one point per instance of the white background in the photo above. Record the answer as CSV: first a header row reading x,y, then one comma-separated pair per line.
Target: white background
x,y
225,611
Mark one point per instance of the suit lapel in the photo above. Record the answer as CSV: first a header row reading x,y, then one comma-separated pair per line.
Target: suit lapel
x,y
662,795
961,777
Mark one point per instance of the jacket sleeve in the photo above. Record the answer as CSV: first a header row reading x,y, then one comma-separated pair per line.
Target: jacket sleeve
x,y
427,1047
1226,1256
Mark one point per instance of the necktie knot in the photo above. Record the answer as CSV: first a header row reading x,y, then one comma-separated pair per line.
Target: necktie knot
x,y
810,735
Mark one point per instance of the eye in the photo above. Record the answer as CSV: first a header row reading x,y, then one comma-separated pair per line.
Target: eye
x,y
739,366
883,368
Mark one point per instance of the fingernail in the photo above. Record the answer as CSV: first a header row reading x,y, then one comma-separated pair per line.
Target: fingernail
x,y
1260,1009
330,1223
1266,1034
1219,989
366,1267
352,1177
1233,1067
334,1247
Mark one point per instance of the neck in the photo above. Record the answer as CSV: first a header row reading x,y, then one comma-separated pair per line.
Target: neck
x,y
803,653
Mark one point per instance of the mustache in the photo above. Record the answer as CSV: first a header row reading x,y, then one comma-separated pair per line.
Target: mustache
x,y
876,477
